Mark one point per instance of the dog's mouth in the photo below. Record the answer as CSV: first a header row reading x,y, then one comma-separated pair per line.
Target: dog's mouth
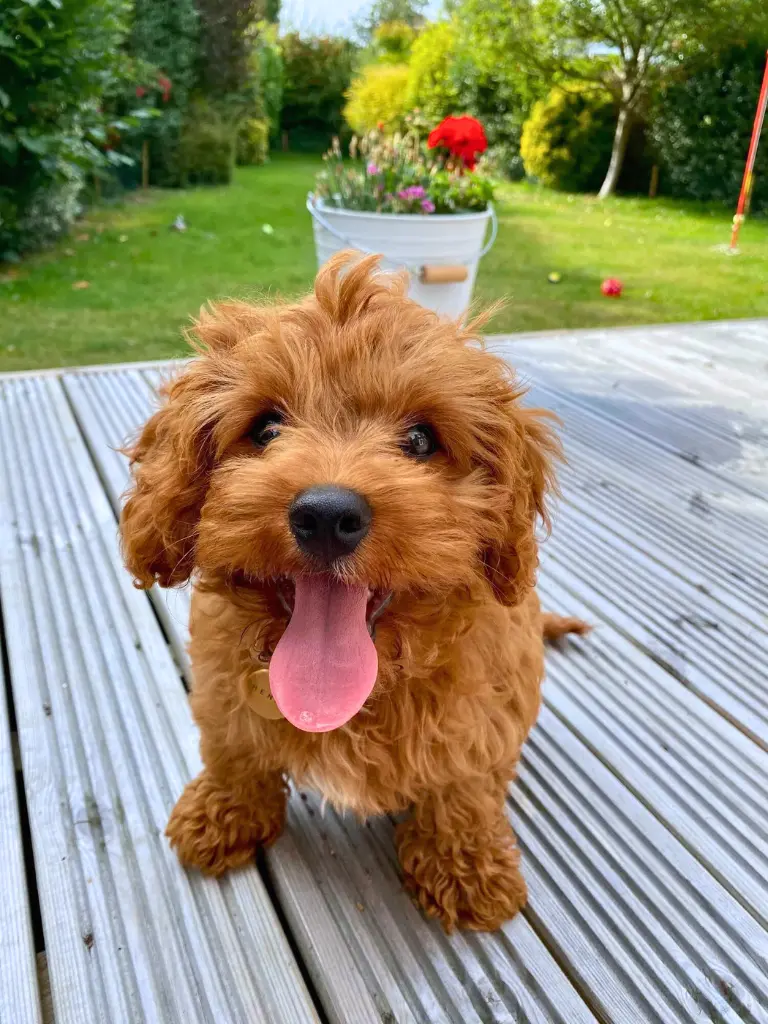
x,y
378,601
325,665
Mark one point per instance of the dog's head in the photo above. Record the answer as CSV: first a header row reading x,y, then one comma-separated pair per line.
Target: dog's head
x,y
339,451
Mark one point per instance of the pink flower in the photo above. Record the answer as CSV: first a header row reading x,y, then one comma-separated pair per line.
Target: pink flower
x,y
372,168
412,192
427,206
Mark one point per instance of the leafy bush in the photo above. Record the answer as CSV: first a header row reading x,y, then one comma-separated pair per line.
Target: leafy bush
x,y
165,34
206,151
267,61
316,75
225,69
494,96
253,141
432,84
392,42
378,96
60,68
566,142
701,125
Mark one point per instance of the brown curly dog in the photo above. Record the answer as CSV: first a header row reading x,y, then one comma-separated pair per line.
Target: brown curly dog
x,y
355,486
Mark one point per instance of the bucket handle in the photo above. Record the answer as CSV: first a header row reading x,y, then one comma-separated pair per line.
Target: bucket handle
x,y
316,215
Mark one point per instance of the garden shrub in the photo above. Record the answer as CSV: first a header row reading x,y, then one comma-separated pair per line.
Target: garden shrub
x,y
225,69
392,42
316,75
60,67
252,141
566,142
432,85
378,97
206,150
267,61
701,125
165,34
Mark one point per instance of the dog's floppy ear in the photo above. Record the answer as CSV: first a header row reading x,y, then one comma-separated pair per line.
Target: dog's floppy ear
x,y
173,456
169,467
524,467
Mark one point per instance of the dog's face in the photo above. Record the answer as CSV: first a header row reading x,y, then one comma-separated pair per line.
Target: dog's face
x,y
341,451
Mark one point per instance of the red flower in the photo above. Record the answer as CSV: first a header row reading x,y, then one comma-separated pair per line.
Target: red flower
x,y
463,137
140,91
165,84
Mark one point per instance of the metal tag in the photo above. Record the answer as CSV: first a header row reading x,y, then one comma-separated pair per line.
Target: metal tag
x,y
260,699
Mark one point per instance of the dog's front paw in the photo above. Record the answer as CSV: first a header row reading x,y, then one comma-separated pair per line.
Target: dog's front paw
x,y
214,830
472,886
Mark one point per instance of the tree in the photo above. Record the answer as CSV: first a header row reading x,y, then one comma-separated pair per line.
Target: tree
x,y
317,73
225,46
381,12
625,46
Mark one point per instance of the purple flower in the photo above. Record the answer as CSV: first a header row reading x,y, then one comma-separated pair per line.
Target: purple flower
x,y
417,192
427,206
372,168
403,193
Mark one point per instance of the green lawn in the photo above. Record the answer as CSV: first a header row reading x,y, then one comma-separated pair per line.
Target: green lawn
x,y
145,280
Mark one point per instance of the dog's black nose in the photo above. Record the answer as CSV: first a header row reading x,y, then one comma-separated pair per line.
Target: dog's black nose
x,y
329,522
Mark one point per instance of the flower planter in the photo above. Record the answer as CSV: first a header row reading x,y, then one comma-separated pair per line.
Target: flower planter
x,y
420,244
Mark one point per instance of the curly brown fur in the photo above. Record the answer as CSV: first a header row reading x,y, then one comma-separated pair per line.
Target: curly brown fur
x,y
460,647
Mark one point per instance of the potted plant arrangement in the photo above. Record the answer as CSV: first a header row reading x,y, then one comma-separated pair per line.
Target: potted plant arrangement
x,y
425,207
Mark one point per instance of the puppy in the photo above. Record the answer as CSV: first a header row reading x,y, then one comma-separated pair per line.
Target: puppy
x,y
354,486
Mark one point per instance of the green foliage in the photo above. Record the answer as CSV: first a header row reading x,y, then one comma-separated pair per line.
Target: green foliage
x,y
702,122
206,150
317,73
381,12
432,84
392,42
165,33
252,141
493,84
566,142
61,69
625,46
378,96
226,71
267,62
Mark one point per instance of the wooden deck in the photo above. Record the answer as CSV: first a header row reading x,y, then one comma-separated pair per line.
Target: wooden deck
x,y
641,803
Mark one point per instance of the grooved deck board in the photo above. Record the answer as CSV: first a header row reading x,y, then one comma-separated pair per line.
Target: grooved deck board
x,y
19,995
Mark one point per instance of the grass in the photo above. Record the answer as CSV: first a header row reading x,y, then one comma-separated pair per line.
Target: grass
x,y
145,280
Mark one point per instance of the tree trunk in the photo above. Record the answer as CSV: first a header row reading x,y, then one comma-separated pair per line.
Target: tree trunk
x,y
619,151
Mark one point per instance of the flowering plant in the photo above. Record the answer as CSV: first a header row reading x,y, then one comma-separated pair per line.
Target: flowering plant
x,y
400,174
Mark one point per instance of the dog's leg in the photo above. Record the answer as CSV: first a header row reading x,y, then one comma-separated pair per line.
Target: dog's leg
x,y
459,856
221,819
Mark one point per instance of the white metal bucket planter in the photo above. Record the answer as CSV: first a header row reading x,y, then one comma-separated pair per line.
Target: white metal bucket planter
x,y
440,251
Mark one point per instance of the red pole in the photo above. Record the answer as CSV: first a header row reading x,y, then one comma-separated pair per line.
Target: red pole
x,y
749,177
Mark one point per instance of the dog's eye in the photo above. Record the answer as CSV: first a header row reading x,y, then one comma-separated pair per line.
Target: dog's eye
x,y
420,442
265,429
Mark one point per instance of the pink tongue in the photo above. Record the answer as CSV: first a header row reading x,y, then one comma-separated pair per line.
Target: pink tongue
x,y
325,665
